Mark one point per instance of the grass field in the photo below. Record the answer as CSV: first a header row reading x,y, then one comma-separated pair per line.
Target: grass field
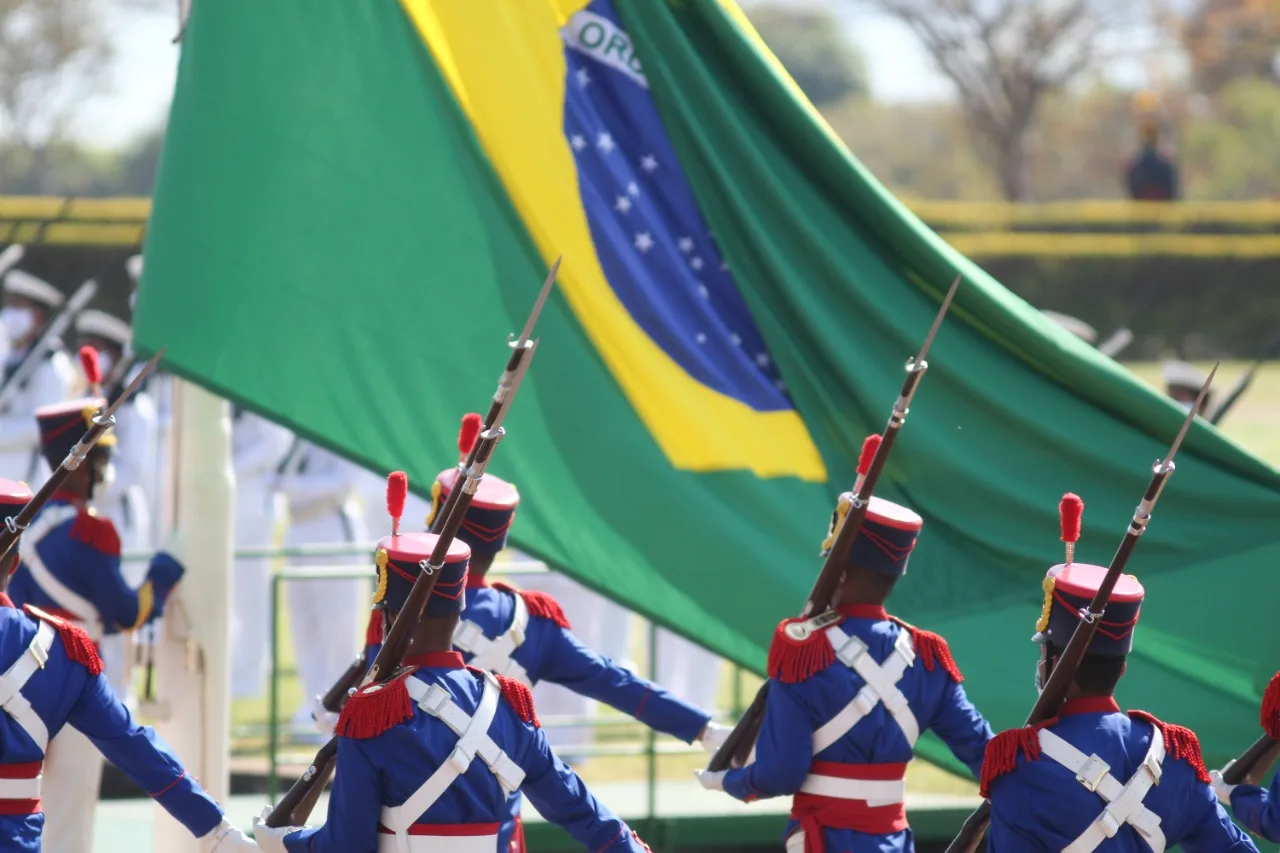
x,y
1252,423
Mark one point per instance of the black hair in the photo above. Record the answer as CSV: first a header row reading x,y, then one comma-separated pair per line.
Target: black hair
x,y
1098,675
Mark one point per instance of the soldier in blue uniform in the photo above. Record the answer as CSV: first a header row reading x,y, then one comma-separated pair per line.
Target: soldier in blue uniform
x,y
1095,778
1256,807
850,692
52,678
70,567
429,761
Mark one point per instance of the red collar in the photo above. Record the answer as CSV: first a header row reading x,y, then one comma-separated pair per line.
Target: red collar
x,y
6,601
436,660
863,611
477,581
1089,705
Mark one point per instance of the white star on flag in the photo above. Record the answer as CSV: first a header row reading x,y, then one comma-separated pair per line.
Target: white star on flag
x,y
623,204
648,162
633,189
643,241
578,141
685,244
696,263
605,143
701,338
735,340
724,266
762,359
780,385
703,292
583,78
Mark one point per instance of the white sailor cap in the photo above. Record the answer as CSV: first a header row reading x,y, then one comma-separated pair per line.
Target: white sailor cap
x,y
103,325
1079,328
1179,374
24,284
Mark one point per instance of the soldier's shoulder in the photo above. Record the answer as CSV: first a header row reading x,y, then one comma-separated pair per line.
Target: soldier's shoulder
x,y
1008,753
376,708
76,642
96,532
541,605
1179,743
932,650
801,648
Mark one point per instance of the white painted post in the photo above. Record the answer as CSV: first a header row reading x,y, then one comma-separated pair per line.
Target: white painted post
x,y
192,647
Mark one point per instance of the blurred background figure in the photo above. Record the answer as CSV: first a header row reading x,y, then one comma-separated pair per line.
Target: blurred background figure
x,y
258,447
1079,328
29,302
1182,382
1152,174
324,509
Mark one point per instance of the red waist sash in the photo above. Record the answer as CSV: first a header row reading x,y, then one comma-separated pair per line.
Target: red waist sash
x,y
816,813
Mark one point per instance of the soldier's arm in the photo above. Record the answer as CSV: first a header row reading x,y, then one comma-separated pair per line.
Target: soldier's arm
x,y
566,661
138,751
556,791
95,548
960,726
1009,804
1210,830
784,750
1259,808
354,807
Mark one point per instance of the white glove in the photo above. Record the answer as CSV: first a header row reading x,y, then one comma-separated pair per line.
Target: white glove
x,y
324,719
714,736
225,838
712,780
1221,788
271,840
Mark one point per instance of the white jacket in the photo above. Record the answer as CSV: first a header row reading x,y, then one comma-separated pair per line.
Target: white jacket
x,y
54,381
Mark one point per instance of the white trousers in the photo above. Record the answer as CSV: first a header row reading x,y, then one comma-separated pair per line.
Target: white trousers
x,y
72,776
325,614
251,615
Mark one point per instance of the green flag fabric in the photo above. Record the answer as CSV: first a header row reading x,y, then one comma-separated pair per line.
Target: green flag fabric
x,y
357,203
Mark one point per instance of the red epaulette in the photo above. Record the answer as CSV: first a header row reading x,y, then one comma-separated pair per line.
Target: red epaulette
x,y
1179,742
539,604
1001,755
1270,716
520,699
932,650
792,660
374,709
373,631
96,531
76,642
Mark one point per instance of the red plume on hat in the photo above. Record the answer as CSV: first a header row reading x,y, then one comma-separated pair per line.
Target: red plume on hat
x,y
1070,509
92,368
870,446
467,435
397,491
1271,708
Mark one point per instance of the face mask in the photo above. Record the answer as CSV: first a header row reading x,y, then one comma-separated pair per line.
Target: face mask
x,y
17,322
107,474
133,298
105,361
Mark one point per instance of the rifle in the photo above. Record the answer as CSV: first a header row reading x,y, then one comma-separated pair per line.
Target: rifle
x,y
1242,385
103,420
1064,672
1253,763
336,696
296,805
737,746
53,330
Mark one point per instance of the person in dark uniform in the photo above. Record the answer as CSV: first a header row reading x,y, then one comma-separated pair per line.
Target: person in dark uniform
x,y
1152,174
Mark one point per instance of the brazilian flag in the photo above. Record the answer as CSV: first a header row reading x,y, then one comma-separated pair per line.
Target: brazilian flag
x,y
357,203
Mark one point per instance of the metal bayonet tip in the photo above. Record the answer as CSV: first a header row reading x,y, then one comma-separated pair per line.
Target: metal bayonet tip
x,y
937,321
542,299
136,383
1191,416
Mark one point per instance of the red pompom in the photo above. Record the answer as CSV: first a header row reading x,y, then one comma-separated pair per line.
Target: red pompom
x,y
1179,742
1070,508
96,531
375,709
1001,756
1271,708
92,367
932,650
76,642
470,431
869,448
541,604
397,491
791,661
373,631
520,699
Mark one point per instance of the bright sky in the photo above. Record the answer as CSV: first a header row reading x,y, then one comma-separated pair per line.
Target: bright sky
x,y
141,81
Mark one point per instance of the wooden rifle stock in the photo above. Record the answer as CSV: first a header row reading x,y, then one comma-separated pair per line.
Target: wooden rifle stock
x,y
738,745
1064,671
336,696
1253,763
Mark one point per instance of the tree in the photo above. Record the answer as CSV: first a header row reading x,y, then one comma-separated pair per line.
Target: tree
x,y
1228,39
1004,57
811,45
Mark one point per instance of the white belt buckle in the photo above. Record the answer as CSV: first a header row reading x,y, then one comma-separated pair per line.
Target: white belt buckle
x,y
850,651
904,648
437,697
40,654
1154,767
461,758
1091,774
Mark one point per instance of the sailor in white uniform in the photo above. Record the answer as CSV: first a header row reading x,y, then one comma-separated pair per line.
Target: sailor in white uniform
x,y
28,304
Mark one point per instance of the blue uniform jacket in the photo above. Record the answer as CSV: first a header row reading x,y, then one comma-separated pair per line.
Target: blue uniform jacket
x,y
64,692
1039,804
81,551
387,768
1259,808
795,709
